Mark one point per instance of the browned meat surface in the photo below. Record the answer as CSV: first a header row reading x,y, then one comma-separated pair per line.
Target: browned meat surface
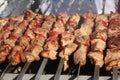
x,y
10,42
112,58
67,40
114,42
36,46
10,26
82,38
3,21
113,51
98,40
52,44
23,42
29,15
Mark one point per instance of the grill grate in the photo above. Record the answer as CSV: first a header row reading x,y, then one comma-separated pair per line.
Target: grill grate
x,y
44,66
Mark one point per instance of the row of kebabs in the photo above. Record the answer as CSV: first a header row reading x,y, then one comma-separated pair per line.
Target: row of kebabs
x,y
28,37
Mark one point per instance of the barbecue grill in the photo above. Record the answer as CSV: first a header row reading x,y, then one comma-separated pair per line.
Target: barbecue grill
x,y
47,69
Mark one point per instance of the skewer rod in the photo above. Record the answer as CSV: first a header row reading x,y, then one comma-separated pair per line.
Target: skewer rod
x,y
96,72
41,69
59,70
78,72
3,73
26,66
115,74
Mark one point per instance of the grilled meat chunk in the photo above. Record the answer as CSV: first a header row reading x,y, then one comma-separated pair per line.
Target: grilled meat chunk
x,y
82,37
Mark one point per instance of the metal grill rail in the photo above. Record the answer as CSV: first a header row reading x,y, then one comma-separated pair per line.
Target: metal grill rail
x,y
17,9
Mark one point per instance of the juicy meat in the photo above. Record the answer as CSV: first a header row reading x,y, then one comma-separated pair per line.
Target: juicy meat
x,y
114,15
3,21
98,40
16,34
32,52
101,17
52,44
14,56
85,29
10,26
114,42
60,24
80,55
50,48
88,16
28,14
10,42
58,27
67,51
95,59
113,51
4,51
48,23
85,40
71,25
82,38
114,28
67,38
24,40
112,58
16,19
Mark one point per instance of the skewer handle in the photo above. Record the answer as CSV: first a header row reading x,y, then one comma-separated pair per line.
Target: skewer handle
x,y
3,73
41,69
115,74
78,72
59,70
96,72
26,66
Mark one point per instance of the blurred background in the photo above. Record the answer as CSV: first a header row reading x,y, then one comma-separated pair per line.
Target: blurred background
x,y
10,7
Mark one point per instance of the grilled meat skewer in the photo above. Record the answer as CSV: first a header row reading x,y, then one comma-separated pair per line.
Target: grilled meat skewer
x,y
9,43
67,40
112,55
10,26
52,44
32,52
82,38
3,22
24,41
98,40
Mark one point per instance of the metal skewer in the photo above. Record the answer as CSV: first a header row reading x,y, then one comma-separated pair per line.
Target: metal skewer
x,y
41,69
26,66
59,70
96,72
115,73
78,73
60,66
104,1
3,73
